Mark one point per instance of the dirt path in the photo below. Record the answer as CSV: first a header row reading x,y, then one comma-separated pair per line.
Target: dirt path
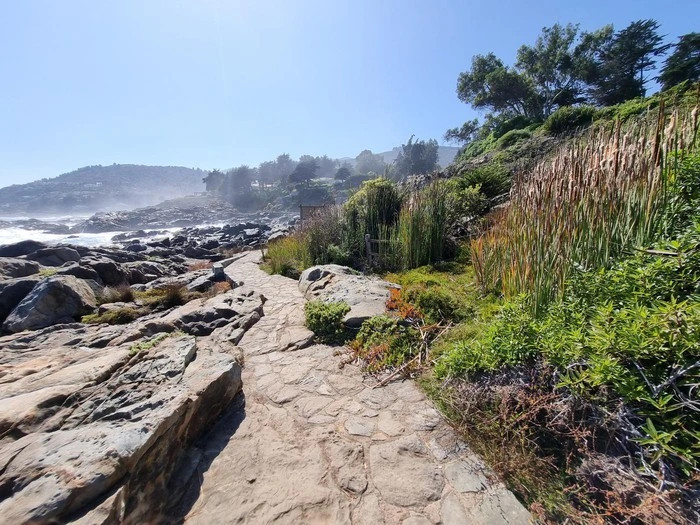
x,y
314,443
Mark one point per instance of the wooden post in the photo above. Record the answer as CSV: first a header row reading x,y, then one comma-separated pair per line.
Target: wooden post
x,y
368,247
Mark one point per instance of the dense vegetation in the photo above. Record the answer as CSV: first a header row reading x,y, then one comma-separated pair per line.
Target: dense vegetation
x,y
321,180
563,337
562,333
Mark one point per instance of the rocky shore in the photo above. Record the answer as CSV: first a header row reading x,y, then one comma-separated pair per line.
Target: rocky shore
x,y
96,418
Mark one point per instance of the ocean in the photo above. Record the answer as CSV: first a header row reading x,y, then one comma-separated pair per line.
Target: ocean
x,y
15,234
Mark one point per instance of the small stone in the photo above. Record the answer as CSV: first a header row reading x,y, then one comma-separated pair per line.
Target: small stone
x,y
359,427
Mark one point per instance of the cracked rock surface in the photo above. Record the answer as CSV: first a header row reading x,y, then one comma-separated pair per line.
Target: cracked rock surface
x,y
315,443
96,420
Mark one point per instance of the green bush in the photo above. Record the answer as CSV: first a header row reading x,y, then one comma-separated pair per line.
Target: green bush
x,y
512,137
625,110
464,205
477,147
436,304
384,342
500,127
629,332
492,180
336,255
326,319
569,118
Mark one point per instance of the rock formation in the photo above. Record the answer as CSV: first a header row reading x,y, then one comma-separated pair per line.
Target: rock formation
x,y
366,295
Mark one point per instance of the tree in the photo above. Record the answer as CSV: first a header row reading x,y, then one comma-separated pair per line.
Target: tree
x,y
464,134
305,171
343,173
238,182
683,64
214,180
285,166
416,158
623,61
491,85
367,161
555,66
326,166
267,173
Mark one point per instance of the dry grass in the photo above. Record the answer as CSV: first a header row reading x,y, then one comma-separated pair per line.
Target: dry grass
x,y
556,451
116,294
199,265
596,198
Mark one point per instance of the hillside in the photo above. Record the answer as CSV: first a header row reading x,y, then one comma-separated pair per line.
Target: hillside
x,y
99,188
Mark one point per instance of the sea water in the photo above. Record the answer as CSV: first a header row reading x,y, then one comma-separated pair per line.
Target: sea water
x,y
13,234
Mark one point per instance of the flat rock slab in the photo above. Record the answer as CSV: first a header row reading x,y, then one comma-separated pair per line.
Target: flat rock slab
x,y
97,420
366,295
315,443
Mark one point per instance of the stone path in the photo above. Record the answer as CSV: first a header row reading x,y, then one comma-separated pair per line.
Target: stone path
x,y
314,443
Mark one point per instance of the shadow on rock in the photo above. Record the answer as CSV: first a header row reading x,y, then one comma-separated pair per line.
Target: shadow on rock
x,y
186,487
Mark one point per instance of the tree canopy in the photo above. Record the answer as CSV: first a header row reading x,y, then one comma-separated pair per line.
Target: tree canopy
x,y
305,171
416,158
566,66
367,162
683,64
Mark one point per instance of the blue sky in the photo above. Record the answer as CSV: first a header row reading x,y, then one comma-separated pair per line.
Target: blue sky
x,y
218,83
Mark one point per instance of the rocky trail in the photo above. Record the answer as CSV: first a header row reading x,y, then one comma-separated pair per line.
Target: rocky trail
x,y
219,410
311,441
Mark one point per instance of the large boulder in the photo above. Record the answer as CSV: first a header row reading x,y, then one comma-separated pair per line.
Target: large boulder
x,y
81,272
110,272
20,248
101,435
237,309
13,291
366,296
11,268
54,256
58,299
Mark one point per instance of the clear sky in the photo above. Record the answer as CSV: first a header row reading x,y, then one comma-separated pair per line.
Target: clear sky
x,y
218,83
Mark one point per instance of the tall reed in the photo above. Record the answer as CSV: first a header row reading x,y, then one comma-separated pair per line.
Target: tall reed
x,y
420,231
600,195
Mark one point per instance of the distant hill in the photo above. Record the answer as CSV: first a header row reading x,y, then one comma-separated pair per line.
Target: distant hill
x,y
100,188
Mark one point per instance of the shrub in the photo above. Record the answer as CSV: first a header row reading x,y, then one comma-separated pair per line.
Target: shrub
x,y
628,332
500,127
377,204
117,316
384,342
116,294
199,265
326,319
569,118
464,206
151,343
492,180
173,296
513,137
436,304
166,297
